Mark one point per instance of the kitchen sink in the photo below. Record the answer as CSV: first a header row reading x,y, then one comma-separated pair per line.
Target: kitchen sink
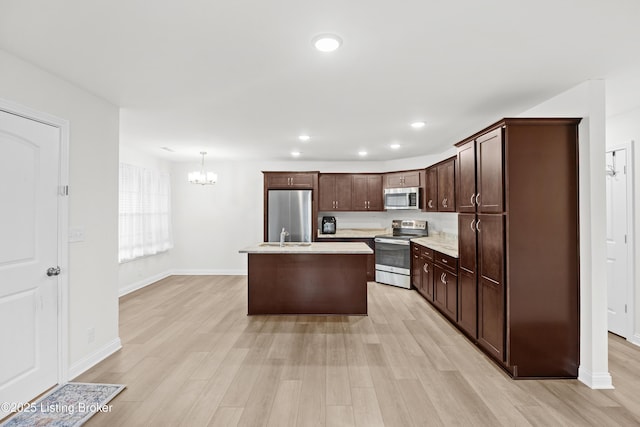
x,y
275,244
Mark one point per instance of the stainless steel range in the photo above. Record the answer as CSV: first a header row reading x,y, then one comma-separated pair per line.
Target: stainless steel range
x,y
393,252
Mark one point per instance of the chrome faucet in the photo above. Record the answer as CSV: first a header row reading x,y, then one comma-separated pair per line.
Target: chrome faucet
x,y
284,233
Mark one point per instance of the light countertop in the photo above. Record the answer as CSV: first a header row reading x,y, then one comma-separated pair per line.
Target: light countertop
x,y
309,248
444,243
354,233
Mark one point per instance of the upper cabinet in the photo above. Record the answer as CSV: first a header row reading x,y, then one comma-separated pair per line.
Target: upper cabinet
x,y
367,192
405,179
440,195
284,180
335,192
480,174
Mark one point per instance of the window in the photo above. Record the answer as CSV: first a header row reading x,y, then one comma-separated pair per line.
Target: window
x,y
145,212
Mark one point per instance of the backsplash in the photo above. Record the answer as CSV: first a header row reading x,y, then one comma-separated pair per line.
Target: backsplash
x,y
439,222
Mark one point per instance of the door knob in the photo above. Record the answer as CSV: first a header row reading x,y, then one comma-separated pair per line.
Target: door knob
x,y
53,271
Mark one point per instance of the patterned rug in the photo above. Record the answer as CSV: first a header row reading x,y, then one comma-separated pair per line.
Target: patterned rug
x,y
68,405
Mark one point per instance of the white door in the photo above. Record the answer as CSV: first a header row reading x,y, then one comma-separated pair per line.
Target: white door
x,y
29,176
617,262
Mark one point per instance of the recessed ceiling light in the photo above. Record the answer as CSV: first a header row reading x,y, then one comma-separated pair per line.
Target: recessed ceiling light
x,y
327,42
295,153
418,125
362,153
304,137
394,146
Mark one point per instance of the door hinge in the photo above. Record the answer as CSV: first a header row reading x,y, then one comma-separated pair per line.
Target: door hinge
x,y
625,308
625,170
625,238
64,190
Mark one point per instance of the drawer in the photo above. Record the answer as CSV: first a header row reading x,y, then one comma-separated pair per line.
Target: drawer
x,y
446,261
426,252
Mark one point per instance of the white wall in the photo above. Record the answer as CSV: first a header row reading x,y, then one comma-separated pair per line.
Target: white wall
x,y
623,128
93,183
211,223
587,100
141,272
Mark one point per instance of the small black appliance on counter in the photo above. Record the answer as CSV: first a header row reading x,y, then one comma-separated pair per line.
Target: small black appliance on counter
x,y
329,225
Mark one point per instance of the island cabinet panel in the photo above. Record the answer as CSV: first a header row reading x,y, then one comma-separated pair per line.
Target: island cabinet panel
x,y
519,244
367,192
276,180
307,284
371,258
335,192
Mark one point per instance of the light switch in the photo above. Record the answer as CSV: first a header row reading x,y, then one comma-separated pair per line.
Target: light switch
x,y
76,234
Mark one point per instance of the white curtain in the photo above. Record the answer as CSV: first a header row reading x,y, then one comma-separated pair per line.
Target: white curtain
x,y
145,212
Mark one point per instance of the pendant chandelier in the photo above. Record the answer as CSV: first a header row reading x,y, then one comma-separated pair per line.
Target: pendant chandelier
x,y
203,177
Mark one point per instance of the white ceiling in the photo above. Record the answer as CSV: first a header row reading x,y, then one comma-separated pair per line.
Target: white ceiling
x,y
240,78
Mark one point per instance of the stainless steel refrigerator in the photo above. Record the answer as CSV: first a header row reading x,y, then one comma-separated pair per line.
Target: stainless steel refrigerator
x,y
290,209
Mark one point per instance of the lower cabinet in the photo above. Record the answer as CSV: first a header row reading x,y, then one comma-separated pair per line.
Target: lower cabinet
x,y
434,275
445,291
467,302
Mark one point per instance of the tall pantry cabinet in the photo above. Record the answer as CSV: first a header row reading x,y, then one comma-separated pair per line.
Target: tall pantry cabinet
x,y
518,278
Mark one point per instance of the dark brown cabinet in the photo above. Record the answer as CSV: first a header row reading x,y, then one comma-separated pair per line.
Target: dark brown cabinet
x,y
422,270
431,190
446,186
440,187
467,283
404,179
367,192
517,196
445,284
334,192
275,180
416,267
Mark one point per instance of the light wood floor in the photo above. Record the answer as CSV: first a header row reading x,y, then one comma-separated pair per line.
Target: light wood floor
x,y
192,357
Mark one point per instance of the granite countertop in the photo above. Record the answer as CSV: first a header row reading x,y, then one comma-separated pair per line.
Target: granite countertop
x,y
444,243
308,248
362,233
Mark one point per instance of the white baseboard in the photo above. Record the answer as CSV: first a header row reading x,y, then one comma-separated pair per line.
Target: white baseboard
x,y
144,282
209,272
600,380
93,359
635,339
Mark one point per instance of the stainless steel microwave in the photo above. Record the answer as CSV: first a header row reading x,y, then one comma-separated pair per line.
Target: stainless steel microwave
x,y
402,198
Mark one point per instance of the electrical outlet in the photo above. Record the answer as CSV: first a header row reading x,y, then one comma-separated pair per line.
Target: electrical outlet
x,y
91,335
76,234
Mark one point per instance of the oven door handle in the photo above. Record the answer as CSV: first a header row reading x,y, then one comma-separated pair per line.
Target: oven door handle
x,y
393,241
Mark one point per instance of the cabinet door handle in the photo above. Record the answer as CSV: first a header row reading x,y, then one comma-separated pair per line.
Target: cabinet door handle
x,y
430,203
478,225
426,269
442,278
478,199
444,202
472,199
472,228
444,260
336,204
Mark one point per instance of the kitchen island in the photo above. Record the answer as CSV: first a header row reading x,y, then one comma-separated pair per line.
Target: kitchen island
x,y
307,278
